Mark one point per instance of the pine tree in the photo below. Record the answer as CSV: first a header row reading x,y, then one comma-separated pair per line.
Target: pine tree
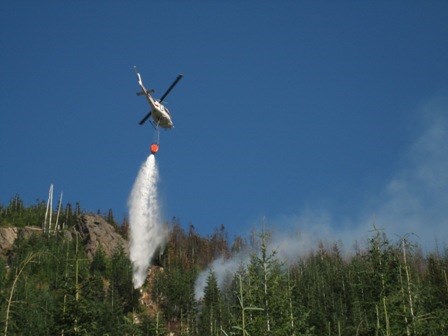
x,y
210,317
266,290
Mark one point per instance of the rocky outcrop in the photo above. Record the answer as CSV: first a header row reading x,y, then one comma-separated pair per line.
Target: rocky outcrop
x,y
145,293
8,236
93,230
96,232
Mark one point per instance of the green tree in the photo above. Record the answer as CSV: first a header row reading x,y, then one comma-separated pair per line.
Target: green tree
x,y
266,283
210,317
121,286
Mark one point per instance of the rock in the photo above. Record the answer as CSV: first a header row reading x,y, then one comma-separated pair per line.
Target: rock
x,y
96,232
146,299
8,236
28,231
93,230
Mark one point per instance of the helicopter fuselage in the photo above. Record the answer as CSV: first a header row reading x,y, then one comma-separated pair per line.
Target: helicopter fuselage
x,y
159,113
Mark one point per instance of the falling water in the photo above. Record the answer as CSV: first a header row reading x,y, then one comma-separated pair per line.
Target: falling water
x,y
146,230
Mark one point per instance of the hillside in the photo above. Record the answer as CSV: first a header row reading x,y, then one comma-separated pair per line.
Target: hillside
x,y
93,230
76,279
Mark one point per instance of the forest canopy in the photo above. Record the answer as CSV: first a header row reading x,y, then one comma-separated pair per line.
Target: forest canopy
x,y
49,286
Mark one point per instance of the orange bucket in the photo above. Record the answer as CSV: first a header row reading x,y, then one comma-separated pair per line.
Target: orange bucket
x,y
154,148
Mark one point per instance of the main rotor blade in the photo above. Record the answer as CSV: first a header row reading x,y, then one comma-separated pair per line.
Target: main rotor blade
x,y
171,87
145,118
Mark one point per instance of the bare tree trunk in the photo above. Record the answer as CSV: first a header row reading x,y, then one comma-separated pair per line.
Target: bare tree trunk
x,y
386,316
266,301
409,286
50,196
291,311
24,263
59,210
408,332
243,310
383,289
51,209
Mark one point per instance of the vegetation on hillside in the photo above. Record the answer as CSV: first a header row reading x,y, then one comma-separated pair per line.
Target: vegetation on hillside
x,y
49,287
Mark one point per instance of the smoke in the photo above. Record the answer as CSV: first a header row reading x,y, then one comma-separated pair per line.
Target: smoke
x,y
288,246
414,201
146,229
223,269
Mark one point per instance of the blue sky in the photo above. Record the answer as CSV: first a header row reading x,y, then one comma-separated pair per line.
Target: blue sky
x,y
310,114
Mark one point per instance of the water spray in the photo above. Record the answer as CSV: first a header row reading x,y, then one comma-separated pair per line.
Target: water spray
x,y
146,230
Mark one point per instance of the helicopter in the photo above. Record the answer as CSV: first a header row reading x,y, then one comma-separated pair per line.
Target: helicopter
x,y
160,115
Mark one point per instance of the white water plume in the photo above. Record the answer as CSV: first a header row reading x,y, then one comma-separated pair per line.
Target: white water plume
x,y
146,230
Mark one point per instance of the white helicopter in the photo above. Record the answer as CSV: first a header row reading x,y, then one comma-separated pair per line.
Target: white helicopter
x,y
161,116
